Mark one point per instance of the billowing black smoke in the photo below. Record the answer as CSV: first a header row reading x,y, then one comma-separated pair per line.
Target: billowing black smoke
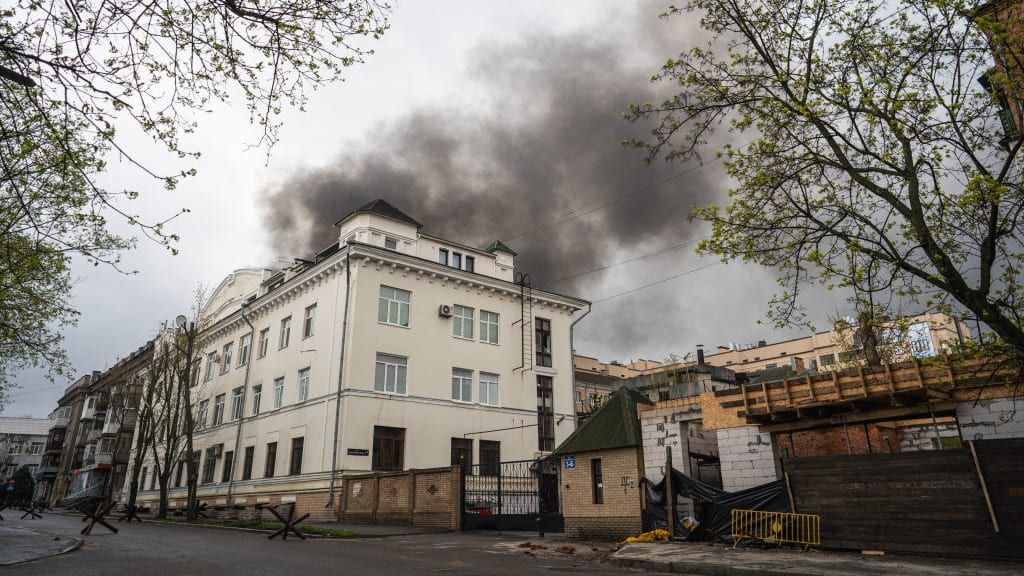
x,y
549,145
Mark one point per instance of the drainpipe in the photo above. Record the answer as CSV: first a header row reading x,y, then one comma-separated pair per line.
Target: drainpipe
x,y
572,353
341,373
246,312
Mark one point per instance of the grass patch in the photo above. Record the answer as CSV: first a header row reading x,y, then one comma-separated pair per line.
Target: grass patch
x,y
258,525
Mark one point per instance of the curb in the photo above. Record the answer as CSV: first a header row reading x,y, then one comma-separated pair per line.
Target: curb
x,y
242,529
703,569
75,544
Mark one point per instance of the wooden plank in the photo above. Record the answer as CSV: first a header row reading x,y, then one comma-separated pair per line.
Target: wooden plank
x,y
767,399
835,384
810,387
785,387
889,377
863,382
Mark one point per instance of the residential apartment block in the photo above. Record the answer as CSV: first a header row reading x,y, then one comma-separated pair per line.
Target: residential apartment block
x,y
390,350
22,443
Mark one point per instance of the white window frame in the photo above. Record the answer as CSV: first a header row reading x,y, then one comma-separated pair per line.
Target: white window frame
x,y
462,385
442,256
390,374
278,392
393,241
237,403
285,336
457,260
257,398
244,349
218,409
490,389
460,321
489,327
264,343
225,363
211,363
390,304
304,384
309,321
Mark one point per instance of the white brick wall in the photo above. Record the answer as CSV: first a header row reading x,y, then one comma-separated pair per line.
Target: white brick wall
x,y
660,428
747,458
991,419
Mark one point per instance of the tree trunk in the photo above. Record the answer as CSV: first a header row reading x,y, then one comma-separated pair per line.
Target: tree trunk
x,y
164,481
868,339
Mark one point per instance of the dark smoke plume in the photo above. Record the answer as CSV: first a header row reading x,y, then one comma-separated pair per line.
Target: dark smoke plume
x,y
549,144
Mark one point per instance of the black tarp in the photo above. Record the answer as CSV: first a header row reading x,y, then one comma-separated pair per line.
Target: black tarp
x,y
715,505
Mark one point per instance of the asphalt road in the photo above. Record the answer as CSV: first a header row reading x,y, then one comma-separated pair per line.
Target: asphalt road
x,y
151,549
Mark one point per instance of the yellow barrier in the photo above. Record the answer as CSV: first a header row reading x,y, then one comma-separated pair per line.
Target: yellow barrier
x,y
777,527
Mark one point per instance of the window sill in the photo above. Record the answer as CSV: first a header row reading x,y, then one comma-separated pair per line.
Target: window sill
x,y
544,370
463,338
466,402
392,325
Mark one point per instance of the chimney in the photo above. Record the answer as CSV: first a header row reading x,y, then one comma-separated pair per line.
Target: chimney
x,y
761,343
700,354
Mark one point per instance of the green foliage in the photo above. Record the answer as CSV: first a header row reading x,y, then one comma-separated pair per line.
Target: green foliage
x,y
865,153
71,71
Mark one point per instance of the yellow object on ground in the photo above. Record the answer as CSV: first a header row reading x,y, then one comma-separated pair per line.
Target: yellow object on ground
x,y
652,536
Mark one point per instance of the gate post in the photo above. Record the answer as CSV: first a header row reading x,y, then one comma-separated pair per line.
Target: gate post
x,y
462,497
540,498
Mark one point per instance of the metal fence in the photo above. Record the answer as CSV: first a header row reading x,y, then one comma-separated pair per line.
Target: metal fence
x,y
776,527
518,495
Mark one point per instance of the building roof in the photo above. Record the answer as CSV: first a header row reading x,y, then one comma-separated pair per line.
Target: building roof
x,y
499,246
25,426
382,208
613,425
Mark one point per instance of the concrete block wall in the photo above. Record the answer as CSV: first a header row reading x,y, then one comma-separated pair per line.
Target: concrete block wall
x,y
747,458
991,419
661,428
922,437
619,515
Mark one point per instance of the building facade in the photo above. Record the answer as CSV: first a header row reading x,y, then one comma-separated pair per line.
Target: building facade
x,y
391,350
22,445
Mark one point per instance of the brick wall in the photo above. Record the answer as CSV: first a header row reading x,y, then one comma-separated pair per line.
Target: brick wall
x,y
994,419
747,458
831,441
415,497
619,514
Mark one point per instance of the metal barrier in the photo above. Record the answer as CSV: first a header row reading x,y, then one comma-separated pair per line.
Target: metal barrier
x,y
777,527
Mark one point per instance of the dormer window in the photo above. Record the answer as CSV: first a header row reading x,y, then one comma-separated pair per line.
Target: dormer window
x,y
456,260
442,256
390,243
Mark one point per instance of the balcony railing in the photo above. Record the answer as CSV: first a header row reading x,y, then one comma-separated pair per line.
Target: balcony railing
x,y
111,426
60,422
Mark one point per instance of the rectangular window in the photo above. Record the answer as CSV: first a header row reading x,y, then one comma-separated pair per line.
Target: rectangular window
x,y
543,343
390,243
462,452
456,260
257,396
470,264
462,385
488,327
490,457
278,392
389,374
309,321
388,448
303,384
442,256
218,410
579,397
264,342
209,465
204,408
489,389
225,364
462,322
179,473
393,306
271,463
237,402
597,479
244,348
286,333
152,480
295,464
592,400
35,448
142,477
229,461
247,462
545,415
211,365
828,359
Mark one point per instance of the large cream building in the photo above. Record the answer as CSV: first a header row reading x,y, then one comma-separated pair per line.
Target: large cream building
x,y
391,350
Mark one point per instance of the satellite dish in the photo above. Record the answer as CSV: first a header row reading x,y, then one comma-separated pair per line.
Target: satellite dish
x,y
180,321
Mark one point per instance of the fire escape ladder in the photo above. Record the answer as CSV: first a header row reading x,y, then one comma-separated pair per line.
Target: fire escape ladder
x,y
525,319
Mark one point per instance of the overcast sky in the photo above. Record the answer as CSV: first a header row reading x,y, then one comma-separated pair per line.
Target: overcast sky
x,y
520,92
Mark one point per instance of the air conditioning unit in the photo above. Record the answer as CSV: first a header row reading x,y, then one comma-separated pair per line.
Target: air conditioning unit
x,y
444,311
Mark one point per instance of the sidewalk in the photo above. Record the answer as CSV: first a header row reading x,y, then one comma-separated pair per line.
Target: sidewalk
x,y
720,560
19,544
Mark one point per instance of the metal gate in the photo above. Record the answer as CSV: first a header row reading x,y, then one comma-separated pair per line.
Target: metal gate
x,y
519,495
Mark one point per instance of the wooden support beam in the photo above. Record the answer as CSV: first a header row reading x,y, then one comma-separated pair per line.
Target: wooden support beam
x,y
863,381
746,401
767,400
889,377
869,416
810,388
785,388
920,375
835,384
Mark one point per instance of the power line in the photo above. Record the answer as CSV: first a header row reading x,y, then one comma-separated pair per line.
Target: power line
x,y
628,260
662,281
35,391
575,215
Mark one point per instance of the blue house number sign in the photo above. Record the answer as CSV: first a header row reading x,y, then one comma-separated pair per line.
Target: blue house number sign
x,y
570,461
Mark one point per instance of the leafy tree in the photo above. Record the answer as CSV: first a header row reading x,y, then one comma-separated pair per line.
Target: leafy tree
x,y
866,150
70,72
